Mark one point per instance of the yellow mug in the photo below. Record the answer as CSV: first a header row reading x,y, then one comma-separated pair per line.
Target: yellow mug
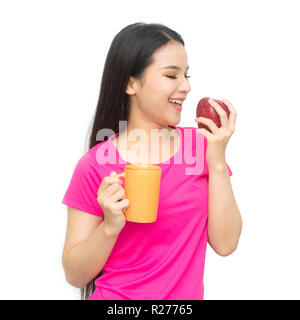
x,y
142,185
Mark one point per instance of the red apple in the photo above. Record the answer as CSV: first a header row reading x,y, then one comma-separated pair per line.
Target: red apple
x,y
204,109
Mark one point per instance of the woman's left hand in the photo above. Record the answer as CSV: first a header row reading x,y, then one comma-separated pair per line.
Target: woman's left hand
x,y
218,139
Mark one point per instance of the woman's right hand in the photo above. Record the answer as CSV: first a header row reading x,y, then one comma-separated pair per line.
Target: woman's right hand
x,y
111,197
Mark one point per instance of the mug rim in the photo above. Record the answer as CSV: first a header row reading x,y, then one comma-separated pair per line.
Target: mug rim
x,y
132,166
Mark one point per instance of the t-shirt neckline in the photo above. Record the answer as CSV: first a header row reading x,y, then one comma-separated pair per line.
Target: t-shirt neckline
x,y
156,164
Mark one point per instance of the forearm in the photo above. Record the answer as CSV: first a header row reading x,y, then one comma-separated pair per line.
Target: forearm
x,y
86,259
224,219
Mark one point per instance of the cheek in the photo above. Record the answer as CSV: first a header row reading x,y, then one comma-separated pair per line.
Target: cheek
x,y
157,93
163,88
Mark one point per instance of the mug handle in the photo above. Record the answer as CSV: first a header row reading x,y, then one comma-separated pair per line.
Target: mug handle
x,y
121,174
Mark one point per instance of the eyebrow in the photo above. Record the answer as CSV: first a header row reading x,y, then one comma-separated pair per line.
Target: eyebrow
x,y
174,67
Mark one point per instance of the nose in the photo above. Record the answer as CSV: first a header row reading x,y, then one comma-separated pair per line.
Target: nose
x,y
185,86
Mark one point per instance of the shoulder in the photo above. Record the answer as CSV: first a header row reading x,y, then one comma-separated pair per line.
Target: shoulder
x,y
87,163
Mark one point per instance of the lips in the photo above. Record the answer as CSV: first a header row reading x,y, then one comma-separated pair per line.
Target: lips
x,y
181,99
175,106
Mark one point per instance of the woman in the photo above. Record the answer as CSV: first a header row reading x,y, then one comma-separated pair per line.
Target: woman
x,y
144,83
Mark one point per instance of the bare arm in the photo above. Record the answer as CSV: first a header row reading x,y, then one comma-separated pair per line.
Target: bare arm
x,y
88,245
224,219
224,222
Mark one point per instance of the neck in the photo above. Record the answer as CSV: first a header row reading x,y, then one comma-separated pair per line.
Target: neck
x,y
151,142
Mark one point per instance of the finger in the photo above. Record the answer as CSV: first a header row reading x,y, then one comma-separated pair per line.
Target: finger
x,y
119,195
229,105
108,181
111,189
210,123
116,177
221,112
233,113
205,133
112,178
122,204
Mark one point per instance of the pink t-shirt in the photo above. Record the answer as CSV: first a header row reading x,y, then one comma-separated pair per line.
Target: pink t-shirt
x,y
163,260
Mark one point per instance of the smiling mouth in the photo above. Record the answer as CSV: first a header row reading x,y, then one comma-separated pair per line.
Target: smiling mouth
x,y
175,101
176,106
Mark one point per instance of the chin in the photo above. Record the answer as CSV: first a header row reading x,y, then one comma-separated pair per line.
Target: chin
x,y
176,122
173,124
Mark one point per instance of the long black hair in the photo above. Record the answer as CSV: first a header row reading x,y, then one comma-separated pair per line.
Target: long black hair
x,y
130,53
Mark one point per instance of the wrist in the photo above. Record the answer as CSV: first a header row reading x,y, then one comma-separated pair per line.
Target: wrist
x,y
110,231
219,167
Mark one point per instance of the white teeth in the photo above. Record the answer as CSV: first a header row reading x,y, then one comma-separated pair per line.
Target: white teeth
x,y
175,101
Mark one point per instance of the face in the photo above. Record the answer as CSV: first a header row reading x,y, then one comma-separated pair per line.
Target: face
x,y
149,101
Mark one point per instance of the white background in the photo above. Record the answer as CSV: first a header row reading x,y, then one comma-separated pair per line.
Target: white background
x,y
52,57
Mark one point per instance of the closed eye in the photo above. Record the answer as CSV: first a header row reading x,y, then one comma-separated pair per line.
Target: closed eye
x,y
174,77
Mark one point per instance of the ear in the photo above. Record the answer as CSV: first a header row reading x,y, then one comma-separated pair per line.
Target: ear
x,y
131,86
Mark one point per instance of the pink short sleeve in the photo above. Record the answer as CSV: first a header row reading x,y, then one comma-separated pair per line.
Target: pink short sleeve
x,y
229,170
82,191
